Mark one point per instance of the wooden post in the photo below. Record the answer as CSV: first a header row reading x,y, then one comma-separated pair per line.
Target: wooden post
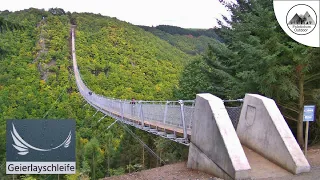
x,y
306,139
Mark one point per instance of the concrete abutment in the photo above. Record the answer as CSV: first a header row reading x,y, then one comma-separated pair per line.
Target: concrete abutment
x,y
215,145
263,129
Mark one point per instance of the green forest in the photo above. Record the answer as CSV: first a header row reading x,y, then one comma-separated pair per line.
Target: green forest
x,y
249,53
116,59
190,41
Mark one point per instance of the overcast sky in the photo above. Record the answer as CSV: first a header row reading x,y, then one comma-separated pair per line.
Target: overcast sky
x,y
183,13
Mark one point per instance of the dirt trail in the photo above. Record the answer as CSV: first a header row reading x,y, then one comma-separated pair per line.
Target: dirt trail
x,y
180,171
41,42
43,67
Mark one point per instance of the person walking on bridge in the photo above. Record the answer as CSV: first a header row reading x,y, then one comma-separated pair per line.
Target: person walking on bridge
x,y
133,102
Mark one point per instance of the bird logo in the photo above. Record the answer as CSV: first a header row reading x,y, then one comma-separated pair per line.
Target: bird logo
x,y
23,147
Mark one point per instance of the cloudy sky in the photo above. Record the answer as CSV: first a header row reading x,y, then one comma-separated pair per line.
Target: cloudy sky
x,y
183,13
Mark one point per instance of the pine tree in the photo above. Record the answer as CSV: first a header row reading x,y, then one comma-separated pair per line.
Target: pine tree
x,y
258,57
268,62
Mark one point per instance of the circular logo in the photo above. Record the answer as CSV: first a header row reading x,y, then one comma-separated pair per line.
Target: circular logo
x,y
301,19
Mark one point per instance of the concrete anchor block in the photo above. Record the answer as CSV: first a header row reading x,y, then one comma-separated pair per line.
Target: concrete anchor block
x,y
215,147
263,129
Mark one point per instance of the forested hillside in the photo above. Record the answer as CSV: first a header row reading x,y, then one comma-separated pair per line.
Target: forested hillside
x,y
193,42
123,61
212,33
40,48
116,59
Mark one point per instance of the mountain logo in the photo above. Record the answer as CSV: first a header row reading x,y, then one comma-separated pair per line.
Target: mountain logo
x,y
301,19
23,147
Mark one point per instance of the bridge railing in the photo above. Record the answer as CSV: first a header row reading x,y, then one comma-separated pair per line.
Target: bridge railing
x,y
165,114
173,113
233,108
146,113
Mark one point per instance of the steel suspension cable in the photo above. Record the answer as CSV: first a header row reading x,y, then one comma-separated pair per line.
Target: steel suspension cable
x,y
53,104
112,124
140,141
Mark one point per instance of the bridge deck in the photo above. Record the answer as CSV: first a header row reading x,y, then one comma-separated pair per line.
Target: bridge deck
x,y
150,123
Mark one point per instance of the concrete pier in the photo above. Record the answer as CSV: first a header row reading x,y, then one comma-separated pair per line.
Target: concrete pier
x,y
215,147
263,129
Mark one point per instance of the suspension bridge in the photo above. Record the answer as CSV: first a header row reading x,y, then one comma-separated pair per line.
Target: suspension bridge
x,y
169,119
218,136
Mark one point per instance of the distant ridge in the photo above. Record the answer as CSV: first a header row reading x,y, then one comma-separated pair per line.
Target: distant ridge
x,y
302,19
173,30
190,41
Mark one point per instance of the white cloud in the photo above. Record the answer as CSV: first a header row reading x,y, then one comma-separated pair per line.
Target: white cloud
x,y
183,13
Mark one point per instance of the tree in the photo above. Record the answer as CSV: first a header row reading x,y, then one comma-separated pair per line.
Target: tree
x,y
207,74
8,25
57,11
262,59
93,156
269,62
